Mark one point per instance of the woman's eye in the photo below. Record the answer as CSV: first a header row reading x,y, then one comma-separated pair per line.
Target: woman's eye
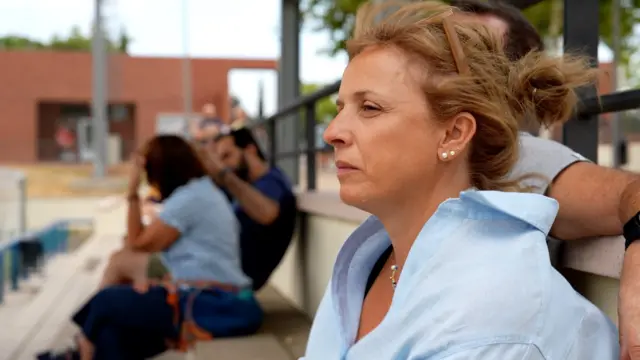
x,y
369,107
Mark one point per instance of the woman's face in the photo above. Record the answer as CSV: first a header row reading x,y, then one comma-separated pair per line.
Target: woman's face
x,y
385,140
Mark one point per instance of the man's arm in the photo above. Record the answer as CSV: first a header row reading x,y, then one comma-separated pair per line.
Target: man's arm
x,y
590,198
258,206
589,195
594,201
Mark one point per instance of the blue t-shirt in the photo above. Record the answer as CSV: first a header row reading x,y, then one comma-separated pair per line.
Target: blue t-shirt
x,y
264,246
207,248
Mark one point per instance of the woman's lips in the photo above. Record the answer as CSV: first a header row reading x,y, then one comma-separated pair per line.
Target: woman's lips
x,y
344,168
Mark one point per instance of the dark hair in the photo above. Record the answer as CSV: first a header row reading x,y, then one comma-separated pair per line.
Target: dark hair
x,y
521,37
243,138
170,162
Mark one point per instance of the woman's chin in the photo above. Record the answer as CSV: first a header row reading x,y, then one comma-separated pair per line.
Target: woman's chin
x,y
352,196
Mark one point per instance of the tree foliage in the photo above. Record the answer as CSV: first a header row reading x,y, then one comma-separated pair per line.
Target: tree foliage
x,y
74,41
538,15
337,16
325,108
11,42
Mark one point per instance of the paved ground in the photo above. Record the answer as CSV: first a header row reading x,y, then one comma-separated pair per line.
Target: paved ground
x,y
54,180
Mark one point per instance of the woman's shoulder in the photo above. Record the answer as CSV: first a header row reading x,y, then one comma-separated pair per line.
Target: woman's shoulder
x,y
516,300
496,287
488,280
194,188
497,248
197,193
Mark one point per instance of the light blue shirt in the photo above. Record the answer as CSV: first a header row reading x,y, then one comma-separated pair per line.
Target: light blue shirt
x,y
209,244
477,284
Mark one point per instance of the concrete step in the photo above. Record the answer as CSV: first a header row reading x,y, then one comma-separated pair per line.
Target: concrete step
x,y
257,347
70,281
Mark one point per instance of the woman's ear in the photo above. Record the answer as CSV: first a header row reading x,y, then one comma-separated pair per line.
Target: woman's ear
x,y
458,134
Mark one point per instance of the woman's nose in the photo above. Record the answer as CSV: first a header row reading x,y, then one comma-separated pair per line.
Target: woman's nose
x,y
336,134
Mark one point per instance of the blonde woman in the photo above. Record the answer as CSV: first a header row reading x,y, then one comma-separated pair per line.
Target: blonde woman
x,y
453,265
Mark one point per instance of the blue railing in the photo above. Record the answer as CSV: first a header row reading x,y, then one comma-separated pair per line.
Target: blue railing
x,y
25,253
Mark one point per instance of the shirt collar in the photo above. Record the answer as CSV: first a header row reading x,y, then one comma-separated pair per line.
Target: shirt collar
x,y
536,210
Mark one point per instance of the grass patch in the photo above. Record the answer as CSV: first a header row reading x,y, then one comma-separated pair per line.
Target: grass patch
x,y
60,180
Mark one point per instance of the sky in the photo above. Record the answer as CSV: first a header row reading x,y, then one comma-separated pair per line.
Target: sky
x,y
215,28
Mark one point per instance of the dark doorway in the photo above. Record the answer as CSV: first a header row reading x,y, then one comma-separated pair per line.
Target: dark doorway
x,y
65,132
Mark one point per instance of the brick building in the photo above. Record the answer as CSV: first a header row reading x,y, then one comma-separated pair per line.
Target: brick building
x,y
40,90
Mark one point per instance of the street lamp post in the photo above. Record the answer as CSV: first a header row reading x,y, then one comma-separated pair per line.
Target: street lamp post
x,y
99,103
186,63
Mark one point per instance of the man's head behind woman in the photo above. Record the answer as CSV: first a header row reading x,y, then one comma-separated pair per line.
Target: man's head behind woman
x,y
170,162
520,37
430,101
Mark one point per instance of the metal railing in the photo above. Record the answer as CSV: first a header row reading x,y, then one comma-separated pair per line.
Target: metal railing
x,y
581,133
26,253
613,102
308,104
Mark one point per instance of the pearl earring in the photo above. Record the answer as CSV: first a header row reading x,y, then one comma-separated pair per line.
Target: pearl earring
x,y
452,152
444,155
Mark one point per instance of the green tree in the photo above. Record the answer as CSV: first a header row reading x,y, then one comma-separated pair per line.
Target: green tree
x,y
124,40
325,111
325,108
11,42
74,41
338,16
539,16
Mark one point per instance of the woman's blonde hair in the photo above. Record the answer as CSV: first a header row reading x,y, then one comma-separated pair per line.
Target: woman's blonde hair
x,y
466,70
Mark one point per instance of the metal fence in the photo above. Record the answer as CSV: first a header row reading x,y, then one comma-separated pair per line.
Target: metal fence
x,y
23,254
580,134
587,109
13,204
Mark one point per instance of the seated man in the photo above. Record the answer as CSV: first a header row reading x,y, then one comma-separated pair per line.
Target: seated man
x,y
207,125
262,198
